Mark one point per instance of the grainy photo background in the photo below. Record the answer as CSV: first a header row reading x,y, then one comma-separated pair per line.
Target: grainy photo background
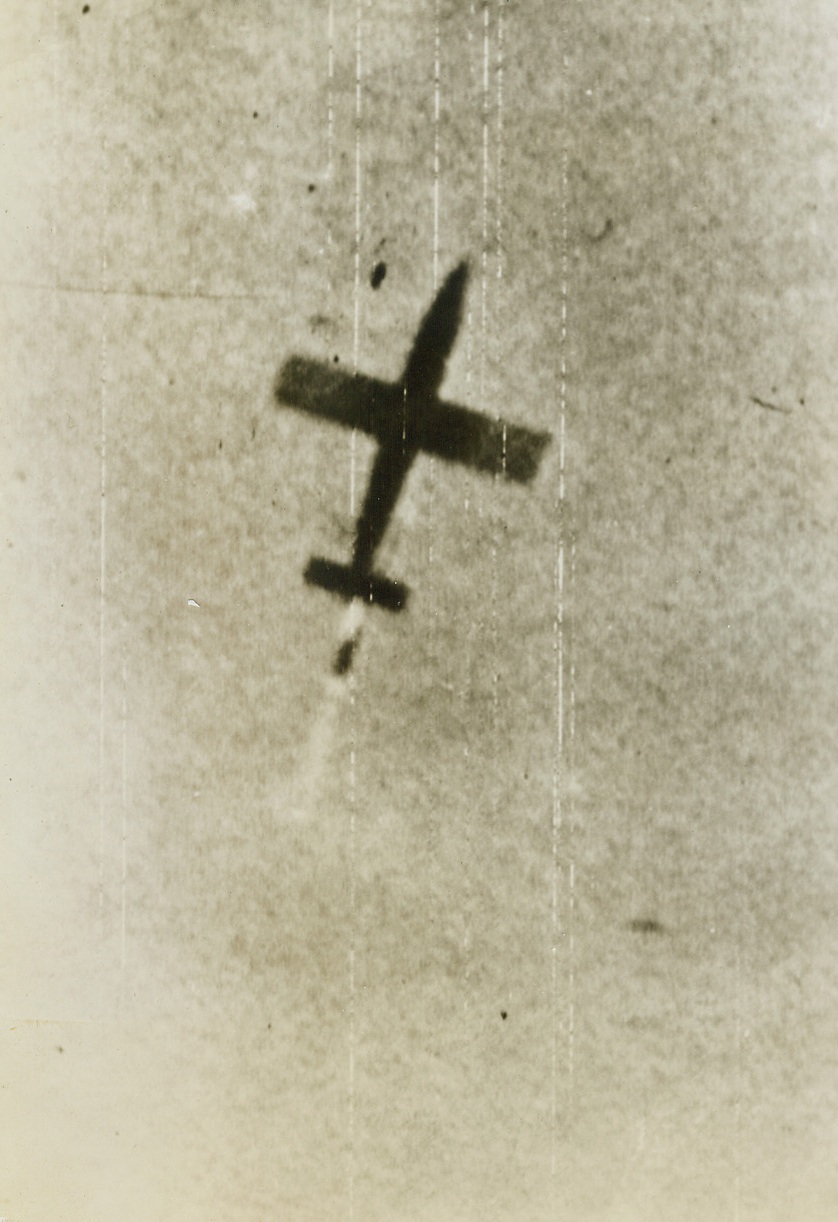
x,y
533,916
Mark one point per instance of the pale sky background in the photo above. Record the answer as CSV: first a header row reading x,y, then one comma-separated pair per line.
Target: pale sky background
x,y
534,915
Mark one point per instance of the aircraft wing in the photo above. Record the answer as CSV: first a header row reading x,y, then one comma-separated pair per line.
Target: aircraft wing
x,y
459,434
447,430
351,399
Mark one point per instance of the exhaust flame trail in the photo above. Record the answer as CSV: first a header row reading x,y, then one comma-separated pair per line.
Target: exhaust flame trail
x,y
314,758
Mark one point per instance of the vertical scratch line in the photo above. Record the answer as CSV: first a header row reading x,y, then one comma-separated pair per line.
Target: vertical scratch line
x,y
56,149
352,904
356,313
499,154
498,343
562,474
435,272
124,829
330,97
356,320
436,141
571,1004
103,491
484,255
737,1113
558,649
559,646
330,137
352,757
485,244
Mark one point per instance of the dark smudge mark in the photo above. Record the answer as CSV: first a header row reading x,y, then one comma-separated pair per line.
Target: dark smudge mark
x,y
772,407
646,925
378,273
311,187
503,1014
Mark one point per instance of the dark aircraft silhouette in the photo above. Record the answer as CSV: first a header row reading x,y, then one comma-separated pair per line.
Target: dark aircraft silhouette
x,y
405,417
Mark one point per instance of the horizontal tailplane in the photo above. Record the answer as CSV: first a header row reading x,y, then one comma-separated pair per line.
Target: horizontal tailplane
x,y
344,581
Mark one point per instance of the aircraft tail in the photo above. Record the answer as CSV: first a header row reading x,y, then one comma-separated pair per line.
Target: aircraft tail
x,y
344,581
